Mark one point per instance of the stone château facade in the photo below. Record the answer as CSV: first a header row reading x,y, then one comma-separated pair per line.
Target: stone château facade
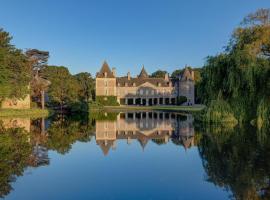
x,y
144,90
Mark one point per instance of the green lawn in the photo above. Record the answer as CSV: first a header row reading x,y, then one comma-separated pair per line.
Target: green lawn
x,y
195,108
24,112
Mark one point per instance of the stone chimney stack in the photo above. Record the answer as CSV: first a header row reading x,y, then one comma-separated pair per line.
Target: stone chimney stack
x,y
114,71
128,75
192,75
166,77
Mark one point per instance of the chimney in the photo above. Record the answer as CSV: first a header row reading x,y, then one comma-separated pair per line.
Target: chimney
x,y
166,77
192,75
114,71
128,75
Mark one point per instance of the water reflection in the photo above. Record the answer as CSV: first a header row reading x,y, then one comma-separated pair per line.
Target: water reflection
x,y
236,159
158,127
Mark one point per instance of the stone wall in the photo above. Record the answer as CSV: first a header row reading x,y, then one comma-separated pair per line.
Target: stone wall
x,y
106,86
17,123
186,88
17,103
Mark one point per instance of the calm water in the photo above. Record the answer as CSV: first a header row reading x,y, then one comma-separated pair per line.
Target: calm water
x,y
135,155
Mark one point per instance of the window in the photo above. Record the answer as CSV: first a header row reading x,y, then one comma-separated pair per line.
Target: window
x,y
141,91
146,92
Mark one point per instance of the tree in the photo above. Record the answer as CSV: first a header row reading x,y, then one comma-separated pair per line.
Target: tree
x,y
87,85
15,69
260,17
64,88
242,73
38,60
159,74
177,73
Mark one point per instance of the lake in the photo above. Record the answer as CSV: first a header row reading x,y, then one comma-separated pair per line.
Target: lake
x,y
131,155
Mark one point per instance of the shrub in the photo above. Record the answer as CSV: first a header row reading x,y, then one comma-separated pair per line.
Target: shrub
x,y
219,111
103,116
78,106
181,100
107,100
263,113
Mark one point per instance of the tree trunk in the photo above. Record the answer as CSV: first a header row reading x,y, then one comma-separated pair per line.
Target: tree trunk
x,y
42,99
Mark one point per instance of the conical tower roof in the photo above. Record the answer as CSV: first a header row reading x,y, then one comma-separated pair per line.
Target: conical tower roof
x,y
105,147
143,73
105,69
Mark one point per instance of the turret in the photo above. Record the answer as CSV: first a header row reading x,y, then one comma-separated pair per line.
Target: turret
x,y
128,75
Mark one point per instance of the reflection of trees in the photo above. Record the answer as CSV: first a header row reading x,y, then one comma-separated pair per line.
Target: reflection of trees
x,y
14,153
237,161
64,131
20,149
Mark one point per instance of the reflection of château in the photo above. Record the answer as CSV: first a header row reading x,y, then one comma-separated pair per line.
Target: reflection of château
x,y
145,126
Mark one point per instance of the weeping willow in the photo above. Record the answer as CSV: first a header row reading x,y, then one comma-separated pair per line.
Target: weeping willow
x,y
241,75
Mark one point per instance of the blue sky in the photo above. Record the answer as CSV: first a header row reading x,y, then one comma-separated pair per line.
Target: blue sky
x,y
161,34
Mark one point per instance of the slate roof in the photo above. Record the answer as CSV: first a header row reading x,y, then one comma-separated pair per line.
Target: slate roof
x,y
142,78
105,69
186,75
105,147
143,73
123,81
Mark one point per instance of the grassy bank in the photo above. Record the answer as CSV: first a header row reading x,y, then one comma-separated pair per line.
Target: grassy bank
x,y
32,113
195,108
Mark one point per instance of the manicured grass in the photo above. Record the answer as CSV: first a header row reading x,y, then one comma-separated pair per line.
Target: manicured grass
x,y
24,113
195,108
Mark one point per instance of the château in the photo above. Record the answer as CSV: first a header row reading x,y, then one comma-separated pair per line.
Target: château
x,y
143,89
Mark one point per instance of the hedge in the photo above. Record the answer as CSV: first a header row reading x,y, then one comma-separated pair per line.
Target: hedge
x,y
107,100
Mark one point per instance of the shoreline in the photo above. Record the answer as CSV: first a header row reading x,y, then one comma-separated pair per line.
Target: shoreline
x,y
195,108
32,112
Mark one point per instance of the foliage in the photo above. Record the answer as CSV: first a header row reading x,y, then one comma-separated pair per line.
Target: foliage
x,y
78,106
181,100
65,131
177,73
93,105
14,151
37,58
159,74
219,111
103,116
34,112
238,161
87,86
263,114
64,88
15,69
107,100
241,74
